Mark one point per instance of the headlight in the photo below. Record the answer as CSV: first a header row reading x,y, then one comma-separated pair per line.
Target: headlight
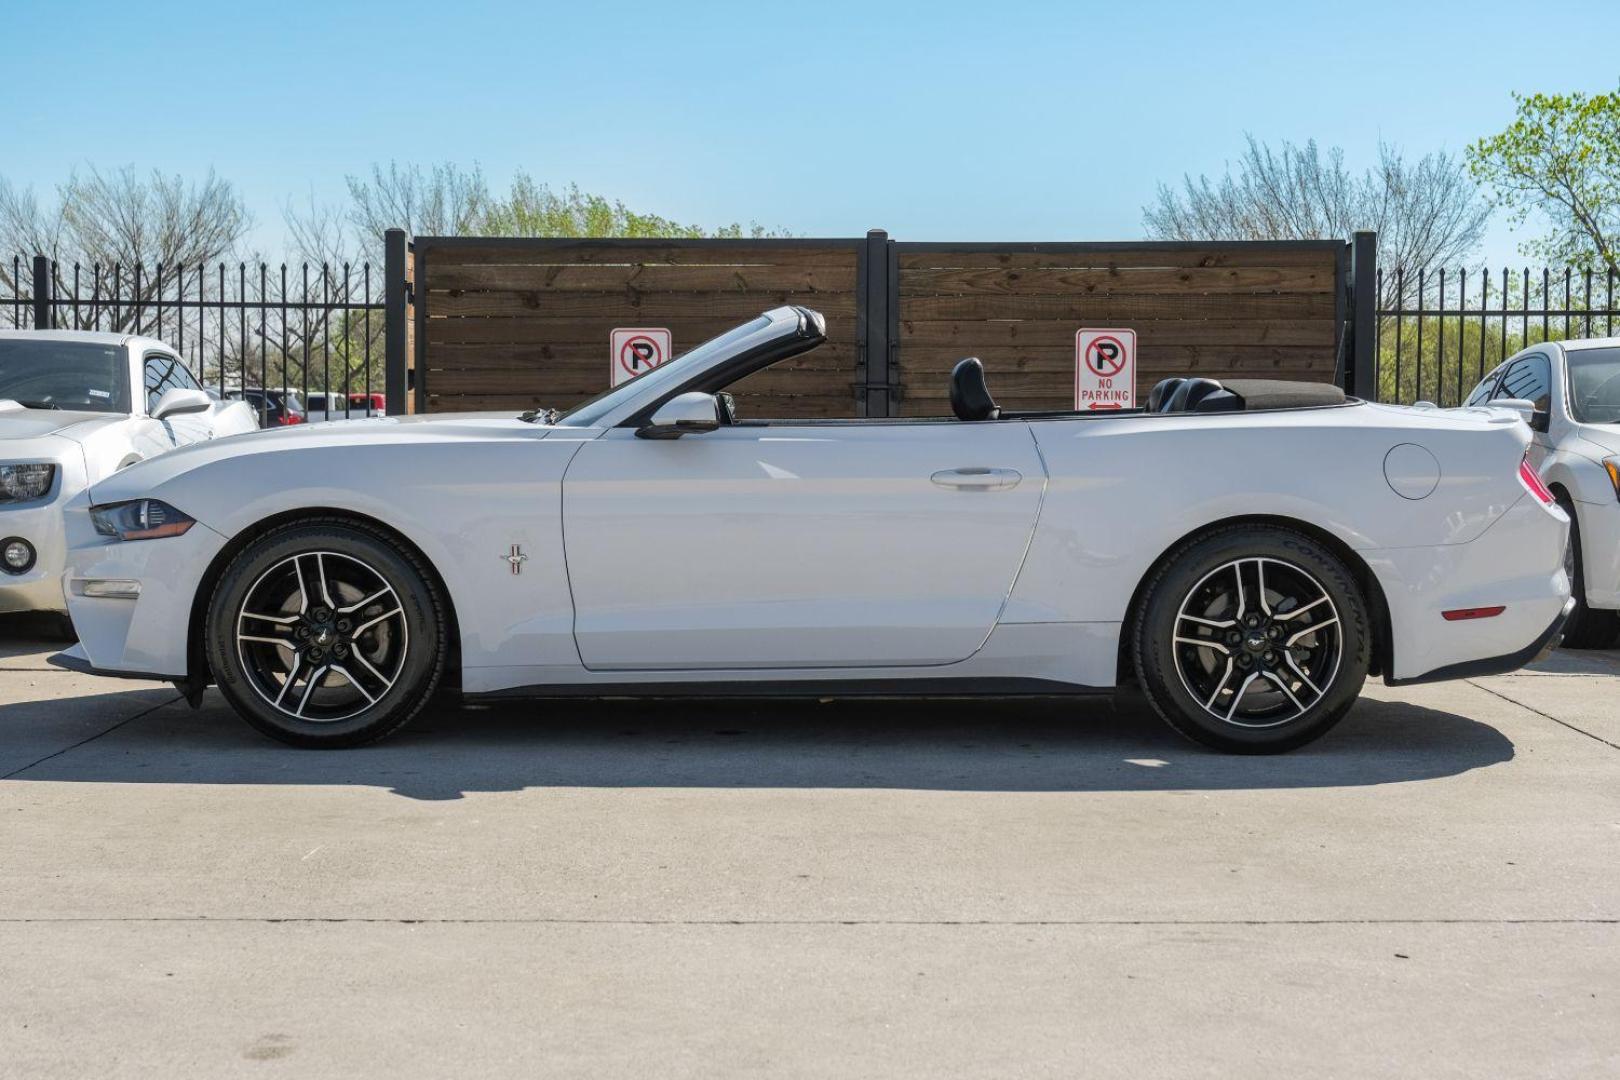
x,y
140,519
20,483
1612,467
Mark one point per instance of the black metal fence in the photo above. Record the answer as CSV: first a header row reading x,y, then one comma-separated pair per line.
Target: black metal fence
x,y
1439,334
239,326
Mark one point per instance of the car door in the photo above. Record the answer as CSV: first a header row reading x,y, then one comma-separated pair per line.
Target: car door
x,y
163,372
797,545
1529,378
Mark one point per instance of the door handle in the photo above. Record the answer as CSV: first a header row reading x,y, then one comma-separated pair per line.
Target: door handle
x,y
978,479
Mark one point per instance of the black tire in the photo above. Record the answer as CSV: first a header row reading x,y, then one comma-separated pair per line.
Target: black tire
x,y
1279,683
1586,628
265,632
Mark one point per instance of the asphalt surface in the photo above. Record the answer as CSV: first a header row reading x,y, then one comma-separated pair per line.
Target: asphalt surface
x,y
830,890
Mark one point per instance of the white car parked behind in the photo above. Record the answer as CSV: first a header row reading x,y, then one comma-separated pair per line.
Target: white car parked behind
x,y
1575,389
76,407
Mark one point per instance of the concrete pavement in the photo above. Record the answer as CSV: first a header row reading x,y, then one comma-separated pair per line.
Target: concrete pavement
x,y
971,889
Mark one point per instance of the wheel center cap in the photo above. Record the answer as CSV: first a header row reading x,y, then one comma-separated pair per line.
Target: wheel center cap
x,y
1255,642
323,637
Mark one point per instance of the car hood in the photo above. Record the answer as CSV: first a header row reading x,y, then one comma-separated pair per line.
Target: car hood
x,y
19,423
307,443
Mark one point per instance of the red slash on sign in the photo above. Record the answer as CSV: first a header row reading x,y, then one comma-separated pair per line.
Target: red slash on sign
x,y
1106,356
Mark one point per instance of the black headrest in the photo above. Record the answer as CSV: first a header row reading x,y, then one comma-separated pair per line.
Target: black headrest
x,y
970,397
1162,393
1190,393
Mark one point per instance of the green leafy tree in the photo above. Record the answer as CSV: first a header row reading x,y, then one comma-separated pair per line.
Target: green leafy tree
x,y
1560,158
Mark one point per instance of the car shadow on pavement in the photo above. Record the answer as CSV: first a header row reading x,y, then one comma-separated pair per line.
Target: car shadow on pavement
x,y
955,745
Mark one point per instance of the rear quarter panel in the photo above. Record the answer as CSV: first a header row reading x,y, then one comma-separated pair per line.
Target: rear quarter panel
x,y
1124,490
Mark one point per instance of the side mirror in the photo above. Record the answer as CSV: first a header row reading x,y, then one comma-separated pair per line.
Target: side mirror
x,y
178,400
1538,419
683,414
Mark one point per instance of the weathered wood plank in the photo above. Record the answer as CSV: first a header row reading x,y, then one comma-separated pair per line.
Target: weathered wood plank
x,y
1170,358
753,253
1141,282
1003,334
1114,308
1105,257
645,309
590,357
755,407
646,277
687,333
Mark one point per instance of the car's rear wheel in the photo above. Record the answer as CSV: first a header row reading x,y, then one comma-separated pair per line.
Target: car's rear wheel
x,y
1252,639
1586,628
326,634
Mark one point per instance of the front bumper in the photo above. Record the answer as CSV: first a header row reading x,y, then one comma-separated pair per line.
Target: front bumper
x,y
39,588
145,636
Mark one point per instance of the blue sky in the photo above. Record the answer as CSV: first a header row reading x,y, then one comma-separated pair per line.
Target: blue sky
x,y
937,121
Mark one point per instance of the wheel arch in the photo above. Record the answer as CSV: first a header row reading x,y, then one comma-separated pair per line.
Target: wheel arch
x,y
196,651
1371,590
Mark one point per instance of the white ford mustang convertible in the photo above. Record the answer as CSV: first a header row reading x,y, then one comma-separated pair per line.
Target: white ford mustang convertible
x,y
1248,553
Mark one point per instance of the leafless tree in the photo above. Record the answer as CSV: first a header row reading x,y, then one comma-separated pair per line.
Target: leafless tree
x,y
1427,213
124,218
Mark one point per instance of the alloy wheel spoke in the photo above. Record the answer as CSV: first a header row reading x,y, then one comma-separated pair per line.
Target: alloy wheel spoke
x,y
1225,678
1304,678
279,620
292,675
285,643
320,576
1214,624
1313,628
359,604
1204,643
309,688
1238,696
343,671
369,623
1260,572
1289,616
387,683
1282,684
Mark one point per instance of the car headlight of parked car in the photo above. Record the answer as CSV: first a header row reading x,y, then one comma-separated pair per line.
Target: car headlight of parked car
x,y
20,483
1612,467
140,519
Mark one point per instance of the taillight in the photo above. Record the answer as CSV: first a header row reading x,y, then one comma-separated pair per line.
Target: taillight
x,y
1532,483
289,419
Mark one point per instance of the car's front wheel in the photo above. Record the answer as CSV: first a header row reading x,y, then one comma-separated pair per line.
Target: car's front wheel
x,y
1252,639
326,634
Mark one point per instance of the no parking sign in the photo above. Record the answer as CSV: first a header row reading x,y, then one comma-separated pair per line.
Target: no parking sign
x,y
1104,369
633,350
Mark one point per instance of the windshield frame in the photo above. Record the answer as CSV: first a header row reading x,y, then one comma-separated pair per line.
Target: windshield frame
x,y
614,406
50,349
1575,359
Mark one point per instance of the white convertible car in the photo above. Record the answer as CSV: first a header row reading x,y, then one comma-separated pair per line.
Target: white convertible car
x,y
76,407
1247,552
1573,390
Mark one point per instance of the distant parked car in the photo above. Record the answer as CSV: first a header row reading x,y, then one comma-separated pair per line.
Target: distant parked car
x,y
1574,390
337,406
74,408
275,408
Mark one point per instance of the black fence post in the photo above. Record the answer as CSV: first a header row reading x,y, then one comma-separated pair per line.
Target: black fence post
x,y
42,292
395,316
874,307
1361,375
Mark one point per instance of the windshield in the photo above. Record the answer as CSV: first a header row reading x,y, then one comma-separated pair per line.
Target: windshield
x,y
588,413
50,374
1594,385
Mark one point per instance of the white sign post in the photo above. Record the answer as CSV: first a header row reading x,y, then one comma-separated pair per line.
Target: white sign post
x,y
1104,370
633,350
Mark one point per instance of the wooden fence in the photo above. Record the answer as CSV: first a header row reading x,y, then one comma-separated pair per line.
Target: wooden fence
x,y
515,324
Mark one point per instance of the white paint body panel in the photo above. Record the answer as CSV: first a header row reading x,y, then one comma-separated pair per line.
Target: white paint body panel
x,y
825,551
87,447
